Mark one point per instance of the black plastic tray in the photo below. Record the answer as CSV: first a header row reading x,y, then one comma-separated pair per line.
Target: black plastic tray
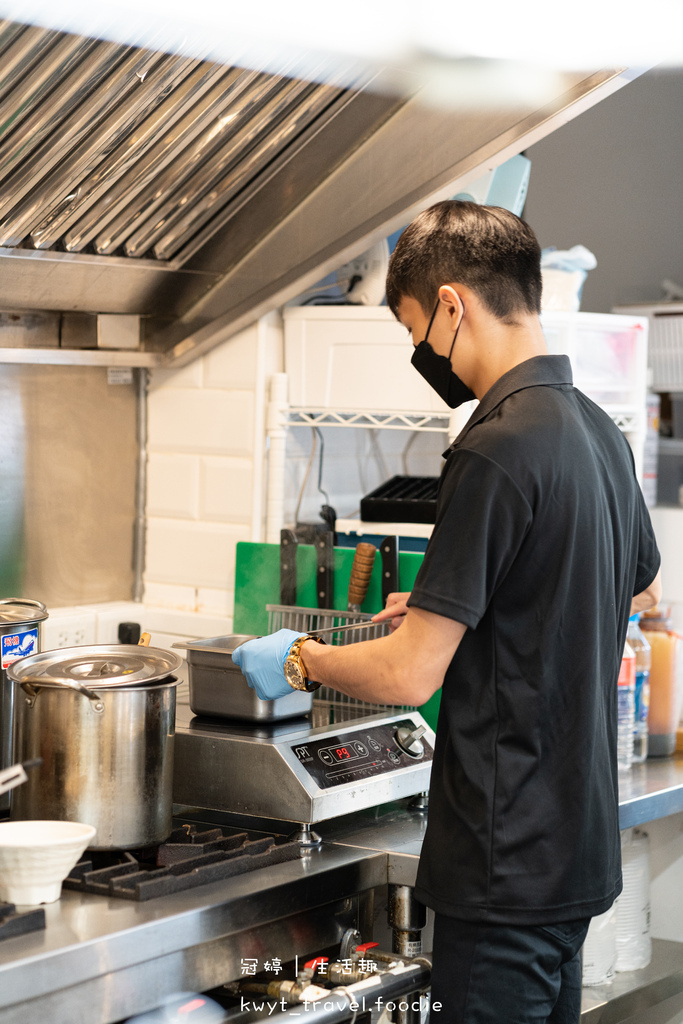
x,y
402,499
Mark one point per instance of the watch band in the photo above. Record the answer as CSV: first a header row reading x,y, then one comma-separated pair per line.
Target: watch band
x,y
295,654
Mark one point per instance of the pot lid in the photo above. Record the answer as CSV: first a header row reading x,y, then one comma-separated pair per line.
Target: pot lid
x,y
19,610
97,666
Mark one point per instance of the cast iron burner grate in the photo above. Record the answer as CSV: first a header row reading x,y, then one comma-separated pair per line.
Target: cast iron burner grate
x,y
13,924
188,859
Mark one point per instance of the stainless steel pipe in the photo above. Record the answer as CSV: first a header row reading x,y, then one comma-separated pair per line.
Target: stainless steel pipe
x,y
407,918
325,1006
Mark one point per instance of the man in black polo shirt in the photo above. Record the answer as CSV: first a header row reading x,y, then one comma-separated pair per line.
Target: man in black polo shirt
x,y
542,548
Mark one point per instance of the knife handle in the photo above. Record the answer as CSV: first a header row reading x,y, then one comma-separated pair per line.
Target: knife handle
x,y
324,547
288,546
361,571
389,554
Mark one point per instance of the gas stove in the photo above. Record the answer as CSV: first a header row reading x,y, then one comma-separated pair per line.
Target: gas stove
x,y
13,923
186,860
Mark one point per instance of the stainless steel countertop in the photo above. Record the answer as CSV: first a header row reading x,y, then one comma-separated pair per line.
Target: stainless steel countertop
x,y
102,959
648,791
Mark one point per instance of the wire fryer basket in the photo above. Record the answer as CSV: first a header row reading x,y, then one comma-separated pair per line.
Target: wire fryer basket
x,y
305,620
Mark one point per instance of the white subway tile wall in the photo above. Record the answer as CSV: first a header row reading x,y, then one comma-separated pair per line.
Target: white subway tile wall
x,y
225,489
173,485
233,366
207,459
214,601
195,554
170,595
201,420
206,426
167,620
190,376
111,614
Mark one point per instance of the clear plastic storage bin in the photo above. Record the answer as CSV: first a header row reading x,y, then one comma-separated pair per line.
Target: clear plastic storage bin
x,y
608,355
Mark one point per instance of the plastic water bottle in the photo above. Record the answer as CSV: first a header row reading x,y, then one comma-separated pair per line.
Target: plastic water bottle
x,y
641,648
627,709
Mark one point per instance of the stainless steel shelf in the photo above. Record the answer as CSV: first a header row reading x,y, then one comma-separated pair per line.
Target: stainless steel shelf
x,y
79,357
659,985
648,791
651,790
360,526
422,421
628,420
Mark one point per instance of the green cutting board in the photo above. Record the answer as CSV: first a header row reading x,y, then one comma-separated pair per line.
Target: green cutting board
x,y
257,583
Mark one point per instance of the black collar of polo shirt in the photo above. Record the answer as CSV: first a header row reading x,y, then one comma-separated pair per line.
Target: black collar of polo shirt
x,y
532,373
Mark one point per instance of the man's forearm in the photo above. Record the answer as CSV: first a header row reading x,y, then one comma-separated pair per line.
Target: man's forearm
x,y
406,667
366,671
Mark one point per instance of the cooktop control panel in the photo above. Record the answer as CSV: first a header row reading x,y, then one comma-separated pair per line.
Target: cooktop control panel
x,y
364,753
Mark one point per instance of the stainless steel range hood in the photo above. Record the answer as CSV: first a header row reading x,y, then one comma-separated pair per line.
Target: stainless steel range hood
x,y
199,195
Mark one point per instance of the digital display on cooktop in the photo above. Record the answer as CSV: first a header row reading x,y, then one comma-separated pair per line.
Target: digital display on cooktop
x,y
352,757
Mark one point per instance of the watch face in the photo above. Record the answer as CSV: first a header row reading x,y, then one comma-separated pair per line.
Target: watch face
x,y
294,675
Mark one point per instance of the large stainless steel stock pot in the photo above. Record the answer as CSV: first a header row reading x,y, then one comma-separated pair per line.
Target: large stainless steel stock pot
x,y
103,720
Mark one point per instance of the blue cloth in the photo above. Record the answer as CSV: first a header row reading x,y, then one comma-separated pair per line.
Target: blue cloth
x,y
262,663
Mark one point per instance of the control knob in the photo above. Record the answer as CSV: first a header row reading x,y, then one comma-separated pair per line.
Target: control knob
x,y
408,739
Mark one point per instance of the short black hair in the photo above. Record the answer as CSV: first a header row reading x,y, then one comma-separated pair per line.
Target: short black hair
x,y
487,248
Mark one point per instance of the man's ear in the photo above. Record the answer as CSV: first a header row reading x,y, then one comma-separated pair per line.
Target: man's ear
x,y
452,303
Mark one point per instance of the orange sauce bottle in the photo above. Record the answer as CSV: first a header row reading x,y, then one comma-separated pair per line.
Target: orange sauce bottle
x,y
664,686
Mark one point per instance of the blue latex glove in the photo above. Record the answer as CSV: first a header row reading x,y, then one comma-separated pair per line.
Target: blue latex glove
x,y
262,663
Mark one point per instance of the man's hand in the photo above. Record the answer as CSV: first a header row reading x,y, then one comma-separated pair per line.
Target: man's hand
x,y
262,663
395,610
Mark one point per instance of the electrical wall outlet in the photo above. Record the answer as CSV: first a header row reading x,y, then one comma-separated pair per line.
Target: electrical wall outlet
x,y
72,636
73,629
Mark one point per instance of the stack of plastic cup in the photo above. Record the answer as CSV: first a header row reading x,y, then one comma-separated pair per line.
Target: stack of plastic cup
x,y
600,949
634,945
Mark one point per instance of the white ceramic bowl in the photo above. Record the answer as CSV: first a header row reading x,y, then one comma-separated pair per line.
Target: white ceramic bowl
x,y
36,857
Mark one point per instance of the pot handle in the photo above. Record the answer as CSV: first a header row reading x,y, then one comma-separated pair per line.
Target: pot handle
x,y
96,702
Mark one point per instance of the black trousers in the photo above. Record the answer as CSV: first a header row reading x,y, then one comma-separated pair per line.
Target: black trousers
x,y
506,974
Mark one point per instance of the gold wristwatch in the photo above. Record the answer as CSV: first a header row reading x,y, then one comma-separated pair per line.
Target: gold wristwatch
x,y
295,673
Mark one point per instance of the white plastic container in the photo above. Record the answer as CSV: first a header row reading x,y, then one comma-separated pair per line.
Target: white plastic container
x,y
600,949
357,359
608,354
665,344
634,945
353,358
36,857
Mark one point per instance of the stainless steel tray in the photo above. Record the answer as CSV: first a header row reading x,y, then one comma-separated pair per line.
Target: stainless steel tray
x,y
218,688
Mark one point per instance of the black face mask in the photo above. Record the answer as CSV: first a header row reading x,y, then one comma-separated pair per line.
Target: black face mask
x,y
438,372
